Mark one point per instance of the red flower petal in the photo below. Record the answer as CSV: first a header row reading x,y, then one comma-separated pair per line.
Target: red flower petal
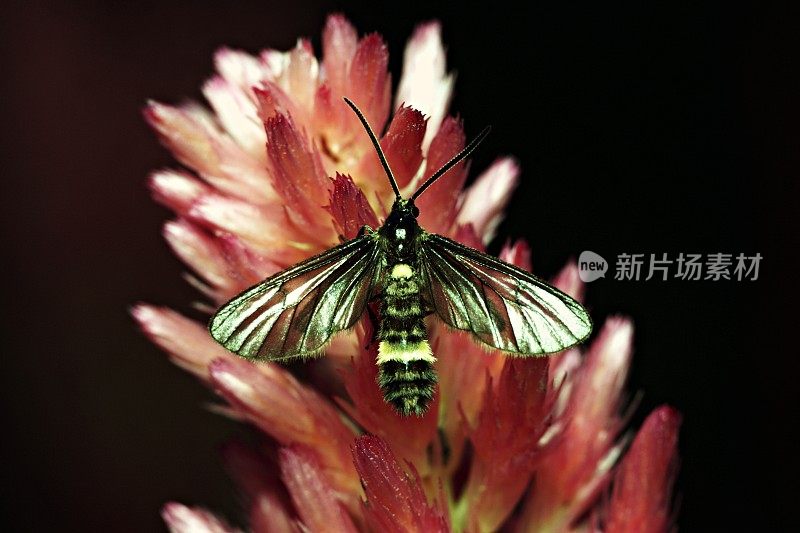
x,y
339,42
402,144
437,205
396,501
370,83
506,441
463,369
518,254
466,235
298,176
569,281
641,497
579,463
263,492
272,101
349,208
311,492
272,399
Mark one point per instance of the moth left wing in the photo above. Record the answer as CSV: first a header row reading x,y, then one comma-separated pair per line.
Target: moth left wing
x,y
295,312
501,305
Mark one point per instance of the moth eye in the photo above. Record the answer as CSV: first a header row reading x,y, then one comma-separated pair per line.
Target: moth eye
x,y
415,211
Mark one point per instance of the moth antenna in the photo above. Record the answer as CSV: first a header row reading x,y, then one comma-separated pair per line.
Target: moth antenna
x,y
450,164
376,144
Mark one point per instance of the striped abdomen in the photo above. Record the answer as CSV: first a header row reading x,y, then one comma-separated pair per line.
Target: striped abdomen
x,y
405,362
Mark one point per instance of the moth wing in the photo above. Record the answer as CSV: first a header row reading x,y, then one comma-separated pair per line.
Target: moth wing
x,y
501,305
295,312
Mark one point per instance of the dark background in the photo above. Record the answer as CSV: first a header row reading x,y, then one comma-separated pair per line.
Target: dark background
x,y
639,129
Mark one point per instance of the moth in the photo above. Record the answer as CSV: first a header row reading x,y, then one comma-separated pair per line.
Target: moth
x,y
411,274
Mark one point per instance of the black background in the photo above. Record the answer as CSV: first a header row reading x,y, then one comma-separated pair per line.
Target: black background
x,y
639,129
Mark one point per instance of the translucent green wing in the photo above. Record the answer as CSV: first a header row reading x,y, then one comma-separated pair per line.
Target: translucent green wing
x,y
295,312
500,304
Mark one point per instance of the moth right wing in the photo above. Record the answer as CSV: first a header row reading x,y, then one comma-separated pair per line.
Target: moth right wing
x,y
501,305
295,312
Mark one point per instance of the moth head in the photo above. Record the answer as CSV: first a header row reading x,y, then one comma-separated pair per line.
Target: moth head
x,y
402,218
405,208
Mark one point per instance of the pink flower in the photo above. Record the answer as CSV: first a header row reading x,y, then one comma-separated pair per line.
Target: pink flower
x,y
278,169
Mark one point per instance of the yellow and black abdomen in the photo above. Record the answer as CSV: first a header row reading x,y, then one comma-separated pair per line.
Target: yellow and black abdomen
x,y
405,361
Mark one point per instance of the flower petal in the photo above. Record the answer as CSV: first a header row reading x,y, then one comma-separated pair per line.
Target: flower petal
x,y
466,235
262,490
301,75
265,228
425,85
437,206
506,439
247,267
186,341
641,497
298,176
238,114
176,189
402,144
463,368
183,519
569,281
311,492
396,501
197,142
349,208
518,254
183,135
271,398
483,202
269,515
240,68
198,250
369,81
579,463
339,42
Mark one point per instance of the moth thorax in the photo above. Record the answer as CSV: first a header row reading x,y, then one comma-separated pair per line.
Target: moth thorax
x,y
406,376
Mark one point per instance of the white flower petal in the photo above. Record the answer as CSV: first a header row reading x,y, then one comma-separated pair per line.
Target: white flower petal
x,y
240,68
425,84
482,204
183,519
176,189
199,251
237,113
